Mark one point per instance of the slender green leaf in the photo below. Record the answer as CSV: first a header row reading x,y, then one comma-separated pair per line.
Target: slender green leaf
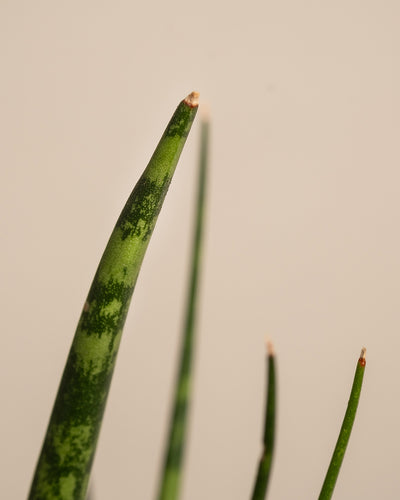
x,y
264,467
345,431
65,461
174,453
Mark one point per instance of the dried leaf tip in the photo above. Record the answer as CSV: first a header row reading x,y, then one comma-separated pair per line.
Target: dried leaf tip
x,y
362,357
192,99
270,347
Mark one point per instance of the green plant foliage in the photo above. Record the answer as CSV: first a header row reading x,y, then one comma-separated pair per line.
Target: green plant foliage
x,y
66,457
174,454
264,467
65,461
345,431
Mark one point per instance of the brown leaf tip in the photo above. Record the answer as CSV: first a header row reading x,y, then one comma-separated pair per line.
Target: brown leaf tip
x,y
270,347
192,100
362,360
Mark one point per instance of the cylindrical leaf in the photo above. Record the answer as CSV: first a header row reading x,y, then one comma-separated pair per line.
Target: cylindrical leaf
x,y
65,461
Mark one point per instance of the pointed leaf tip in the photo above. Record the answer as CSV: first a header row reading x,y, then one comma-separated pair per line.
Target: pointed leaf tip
x,y
270,347
192,99
362,360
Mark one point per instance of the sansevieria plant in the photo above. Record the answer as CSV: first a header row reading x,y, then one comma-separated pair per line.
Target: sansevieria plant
x,y
66,458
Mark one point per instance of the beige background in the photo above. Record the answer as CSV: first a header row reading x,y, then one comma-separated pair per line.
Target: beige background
x,y
302,239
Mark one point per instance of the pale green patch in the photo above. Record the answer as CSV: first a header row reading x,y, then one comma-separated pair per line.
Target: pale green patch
x,y
122,259
90,350
112,308
73,443
67,486
167,153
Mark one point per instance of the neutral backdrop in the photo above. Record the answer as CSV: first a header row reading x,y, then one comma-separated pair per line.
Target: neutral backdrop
x,y
302,238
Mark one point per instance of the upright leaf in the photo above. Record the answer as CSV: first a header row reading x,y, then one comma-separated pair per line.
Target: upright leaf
x,y
174,454
65,461
264,466
345,431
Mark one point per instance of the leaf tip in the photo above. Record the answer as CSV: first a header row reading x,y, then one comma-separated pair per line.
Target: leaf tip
x,y
362,360
192,100
270,347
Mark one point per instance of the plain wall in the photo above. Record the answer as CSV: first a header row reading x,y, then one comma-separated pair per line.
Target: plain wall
x,y
302,238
